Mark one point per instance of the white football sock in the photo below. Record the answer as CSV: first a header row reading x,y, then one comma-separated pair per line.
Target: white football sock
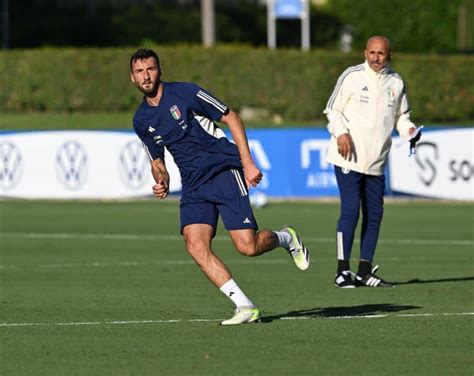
x,y
234,293
284,239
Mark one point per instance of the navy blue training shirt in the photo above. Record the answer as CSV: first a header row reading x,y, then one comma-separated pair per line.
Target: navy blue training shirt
x,y
183,123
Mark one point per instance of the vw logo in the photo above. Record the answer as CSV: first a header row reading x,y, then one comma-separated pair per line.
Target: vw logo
x,y
134,166
11,165
71,165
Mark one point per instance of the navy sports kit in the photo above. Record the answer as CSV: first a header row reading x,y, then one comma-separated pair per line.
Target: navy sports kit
x,y
209,164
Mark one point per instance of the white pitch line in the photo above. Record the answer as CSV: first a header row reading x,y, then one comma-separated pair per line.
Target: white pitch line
x,y
241,261
91,236
174,321
154,237
129,264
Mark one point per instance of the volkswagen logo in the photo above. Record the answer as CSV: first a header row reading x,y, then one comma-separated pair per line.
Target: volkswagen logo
x,y
11,165
71,165
134,166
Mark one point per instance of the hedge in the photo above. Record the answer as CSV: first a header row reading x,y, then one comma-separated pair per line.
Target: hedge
x,y
290,83
413,25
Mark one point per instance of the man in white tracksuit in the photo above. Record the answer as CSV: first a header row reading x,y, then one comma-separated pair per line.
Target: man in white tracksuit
x,y
368,102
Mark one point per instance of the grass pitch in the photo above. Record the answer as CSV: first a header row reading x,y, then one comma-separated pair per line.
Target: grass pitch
x,y
106,288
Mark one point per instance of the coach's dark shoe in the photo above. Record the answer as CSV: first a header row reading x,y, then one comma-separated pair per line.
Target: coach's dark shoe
x,y
371,280
344,280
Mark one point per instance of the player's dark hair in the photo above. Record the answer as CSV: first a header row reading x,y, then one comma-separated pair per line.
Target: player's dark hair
x,y
142,54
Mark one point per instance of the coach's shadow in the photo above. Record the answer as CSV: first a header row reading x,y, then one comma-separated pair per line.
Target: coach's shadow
x,y
417,280
337,312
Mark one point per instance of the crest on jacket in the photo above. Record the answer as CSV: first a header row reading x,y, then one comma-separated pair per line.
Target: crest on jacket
x,y
391,94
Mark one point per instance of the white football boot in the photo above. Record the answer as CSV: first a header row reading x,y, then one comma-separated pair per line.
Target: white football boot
x,y
298,252
243,315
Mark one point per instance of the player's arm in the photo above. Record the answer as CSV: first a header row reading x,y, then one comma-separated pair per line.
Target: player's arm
x,y
156,156
162,178
207,104
252,173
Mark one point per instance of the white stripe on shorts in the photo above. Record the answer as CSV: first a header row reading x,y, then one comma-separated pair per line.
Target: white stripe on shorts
x,y
243,190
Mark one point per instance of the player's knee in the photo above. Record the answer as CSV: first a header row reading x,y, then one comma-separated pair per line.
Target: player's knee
x,y
196,249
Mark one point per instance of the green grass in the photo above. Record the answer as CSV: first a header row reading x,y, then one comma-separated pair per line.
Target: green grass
x,y
119,120
109,290
114,120
65,121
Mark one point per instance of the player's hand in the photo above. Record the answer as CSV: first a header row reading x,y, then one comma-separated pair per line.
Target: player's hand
x,y
252,175
160,189
345,146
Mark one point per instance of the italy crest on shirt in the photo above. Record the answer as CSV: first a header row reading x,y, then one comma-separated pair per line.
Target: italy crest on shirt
x,y
175,112
391,94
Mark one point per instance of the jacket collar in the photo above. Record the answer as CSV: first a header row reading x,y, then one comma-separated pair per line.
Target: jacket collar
x,y
382,72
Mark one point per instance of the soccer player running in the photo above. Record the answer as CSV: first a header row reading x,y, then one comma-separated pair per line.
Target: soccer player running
x,y
216,175
368,102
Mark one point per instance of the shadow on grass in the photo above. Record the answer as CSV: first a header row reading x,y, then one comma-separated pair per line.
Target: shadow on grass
x,y
416,280
335,312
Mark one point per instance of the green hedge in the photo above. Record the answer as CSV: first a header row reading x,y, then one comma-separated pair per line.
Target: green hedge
x,y
413,25
289,83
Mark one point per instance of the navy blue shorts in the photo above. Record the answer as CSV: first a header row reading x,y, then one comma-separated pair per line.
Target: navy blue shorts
x,y
226,195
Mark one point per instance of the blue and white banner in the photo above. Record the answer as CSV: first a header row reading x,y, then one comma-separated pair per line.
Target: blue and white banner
x,y
293,162
75,165
443,166
112,164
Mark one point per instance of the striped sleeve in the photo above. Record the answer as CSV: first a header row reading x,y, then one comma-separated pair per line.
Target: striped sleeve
x,y
335,107
206,97
337,98
403,122
208,105
404,105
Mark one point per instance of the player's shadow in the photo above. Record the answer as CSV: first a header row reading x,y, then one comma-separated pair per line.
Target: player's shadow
x,y
417,280
339,312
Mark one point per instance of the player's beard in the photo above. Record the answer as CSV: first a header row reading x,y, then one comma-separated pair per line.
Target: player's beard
x,y
151,90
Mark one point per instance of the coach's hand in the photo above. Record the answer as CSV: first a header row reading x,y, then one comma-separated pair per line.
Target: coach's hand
x,y
160,189
345,146
415,139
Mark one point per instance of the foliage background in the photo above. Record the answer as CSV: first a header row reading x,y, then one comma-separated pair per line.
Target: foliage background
x,y
73,56
284,82
414,25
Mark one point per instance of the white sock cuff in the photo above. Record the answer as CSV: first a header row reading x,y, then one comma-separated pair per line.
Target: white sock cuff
x,y
228,286
284,239
234,293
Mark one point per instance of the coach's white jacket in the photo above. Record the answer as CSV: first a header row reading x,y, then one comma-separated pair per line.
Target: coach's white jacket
x,y
367,105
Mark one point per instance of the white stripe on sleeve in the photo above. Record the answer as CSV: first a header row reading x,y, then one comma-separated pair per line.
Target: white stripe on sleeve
x,y
341,79
211,100
147,151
